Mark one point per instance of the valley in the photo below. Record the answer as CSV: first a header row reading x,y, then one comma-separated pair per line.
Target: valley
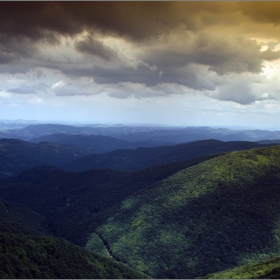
x,y
205,208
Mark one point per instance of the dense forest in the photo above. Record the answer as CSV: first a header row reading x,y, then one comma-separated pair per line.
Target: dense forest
x,y
30,256
200,209
269,269
216,215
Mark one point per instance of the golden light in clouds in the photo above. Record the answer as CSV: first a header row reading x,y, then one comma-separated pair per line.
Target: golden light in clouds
x,y
109,55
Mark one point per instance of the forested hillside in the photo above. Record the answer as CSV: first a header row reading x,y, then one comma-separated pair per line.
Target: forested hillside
x,y
74,202
16,218
27,250
17,155
269,269
182,219
44,257
216,215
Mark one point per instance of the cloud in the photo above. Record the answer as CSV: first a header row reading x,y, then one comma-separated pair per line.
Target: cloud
x,y
139,20
79,88
263,11
242,93
138,49
270,55
136,20
26,89
95,48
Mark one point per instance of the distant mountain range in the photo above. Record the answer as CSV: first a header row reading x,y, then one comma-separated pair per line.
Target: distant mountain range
x,y
17,155
95,143
171,135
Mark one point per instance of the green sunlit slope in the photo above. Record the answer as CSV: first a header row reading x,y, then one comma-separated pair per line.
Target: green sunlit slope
x,y
210,217
263,270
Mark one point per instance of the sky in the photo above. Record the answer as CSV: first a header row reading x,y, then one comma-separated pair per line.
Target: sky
x,y
169,63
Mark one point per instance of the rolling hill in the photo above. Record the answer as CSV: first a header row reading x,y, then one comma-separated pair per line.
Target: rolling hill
x,y
213,216
146,157
17,155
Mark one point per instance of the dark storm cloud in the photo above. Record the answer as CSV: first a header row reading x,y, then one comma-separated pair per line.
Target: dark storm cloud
x,y
137,20
223,54
263,11
207,33
36,19
102,75
13,48
188,76
95,48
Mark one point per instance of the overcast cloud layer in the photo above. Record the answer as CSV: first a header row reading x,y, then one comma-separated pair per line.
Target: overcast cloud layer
x,y
175,63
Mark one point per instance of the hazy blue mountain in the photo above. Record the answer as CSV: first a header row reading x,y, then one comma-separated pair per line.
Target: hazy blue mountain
x,y
146,157
145,133
96,143
33,131
189,134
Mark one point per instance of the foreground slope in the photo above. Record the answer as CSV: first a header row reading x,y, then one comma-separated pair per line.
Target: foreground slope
x,y
45,257
269,269
206,218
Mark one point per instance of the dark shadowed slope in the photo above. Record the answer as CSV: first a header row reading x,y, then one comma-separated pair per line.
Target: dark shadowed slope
x,y
73,202
16,218
146,157
213,216
17,155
